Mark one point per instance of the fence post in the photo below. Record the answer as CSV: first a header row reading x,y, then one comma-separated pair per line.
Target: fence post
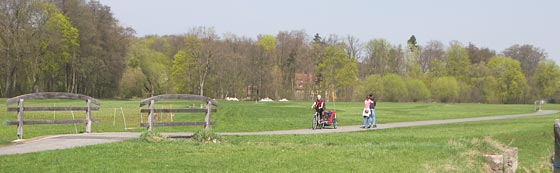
x,y
20,119
207,118
88,116
150,116
556,157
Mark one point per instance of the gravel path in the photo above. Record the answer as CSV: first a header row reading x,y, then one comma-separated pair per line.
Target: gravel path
x,y
77,140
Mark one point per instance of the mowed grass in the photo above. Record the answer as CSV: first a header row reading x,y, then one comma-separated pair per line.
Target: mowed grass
x,y
236,116
438,148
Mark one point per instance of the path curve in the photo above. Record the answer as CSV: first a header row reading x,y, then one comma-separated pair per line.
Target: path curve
x,y
78,140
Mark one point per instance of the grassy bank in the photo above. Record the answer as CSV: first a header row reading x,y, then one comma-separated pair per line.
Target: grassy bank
x,y
439,148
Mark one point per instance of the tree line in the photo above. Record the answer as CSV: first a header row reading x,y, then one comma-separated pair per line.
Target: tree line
x,y
78,46
61,45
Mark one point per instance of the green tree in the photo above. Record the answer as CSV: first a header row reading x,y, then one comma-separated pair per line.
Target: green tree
x,y
20,24
510,79
412,45
546,79
195,62
437,69
483,84
413,68
336,69
267,43
153,65
395,88
417,90
457,59
445,89
271,73
132,84
183,73
57,43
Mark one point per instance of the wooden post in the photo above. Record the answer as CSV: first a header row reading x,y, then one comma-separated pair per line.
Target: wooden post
x,y
207,118
20,119
556,157
123,119
150,116
114,117
88,116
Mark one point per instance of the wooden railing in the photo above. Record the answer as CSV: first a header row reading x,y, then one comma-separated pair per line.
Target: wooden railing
x,y
20,109
151,110
556,156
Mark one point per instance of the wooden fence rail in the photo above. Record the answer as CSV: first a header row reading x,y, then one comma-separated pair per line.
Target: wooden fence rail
x,y
151,110
20,109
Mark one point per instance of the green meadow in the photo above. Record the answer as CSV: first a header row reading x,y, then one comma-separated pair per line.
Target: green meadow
x,y
438,148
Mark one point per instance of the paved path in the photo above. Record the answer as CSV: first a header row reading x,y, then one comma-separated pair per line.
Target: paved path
x,y
77,140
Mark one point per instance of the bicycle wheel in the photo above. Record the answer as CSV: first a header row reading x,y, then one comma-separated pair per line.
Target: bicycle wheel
x,y
314,124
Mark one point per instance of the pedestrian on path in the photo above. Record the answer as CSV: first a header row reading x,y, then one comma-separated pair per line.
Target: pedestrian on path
x,y
373,103
366,112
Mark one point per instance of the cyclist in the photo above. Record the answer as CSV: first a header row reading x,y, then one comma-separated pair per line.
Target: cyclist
x,y
319,106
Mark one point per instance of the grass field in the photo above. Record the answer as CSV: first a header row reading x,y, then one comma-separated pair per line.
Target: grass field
x,y
239,116
438,148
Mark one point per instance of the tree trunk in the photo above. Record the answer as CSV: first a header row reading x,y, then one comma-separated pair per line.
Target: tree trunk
x,y
203,76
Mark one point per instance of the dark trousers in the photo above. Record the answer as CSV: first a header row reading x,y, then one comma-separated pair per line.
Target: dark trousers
x,y
320,111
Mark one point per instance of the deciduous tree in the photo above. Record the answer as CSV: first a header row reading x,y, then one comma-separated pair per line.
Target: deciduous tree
x,y
510,79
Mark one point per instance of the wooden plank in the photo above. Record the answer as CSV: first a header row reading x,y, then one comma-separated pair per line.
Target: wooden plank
x,y
14,109
175,124
176,110
31,122
52,95
178,97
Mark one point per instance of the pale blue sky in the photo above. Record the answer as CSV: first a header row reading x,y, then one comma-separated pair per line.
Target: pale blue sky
x,y
496,24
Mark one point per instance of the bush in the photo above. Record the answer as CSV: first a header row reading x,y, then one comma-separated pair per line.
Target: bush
x,y
465,91
151,137
445,89
372,84
206,135
394,88
417,90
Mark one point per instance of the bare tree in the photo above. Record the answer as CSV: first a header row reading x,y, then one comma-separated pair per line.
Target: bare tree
x,y
528,56
432,51
478,55
353,47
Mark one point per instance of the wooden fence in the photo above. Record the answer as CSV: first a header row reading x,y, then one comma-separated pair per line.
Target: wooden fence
x,y
556,156
50,95
151,110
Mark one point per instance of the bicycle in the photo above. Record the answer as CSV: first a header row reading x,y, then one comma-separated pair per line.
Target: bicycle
x,y
329,120
316,120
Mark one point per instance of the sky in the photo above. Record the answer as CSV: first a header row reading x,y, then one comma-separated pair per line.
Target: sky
x,y
496,24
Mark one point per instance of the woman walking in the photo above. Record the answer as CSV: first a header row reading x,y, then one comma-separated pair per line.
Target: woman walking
x,y
366,112
373,103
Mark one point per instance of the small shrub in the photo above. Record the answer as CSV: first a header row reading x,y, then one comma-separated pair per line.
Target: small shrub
x,y
151,137
206,135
